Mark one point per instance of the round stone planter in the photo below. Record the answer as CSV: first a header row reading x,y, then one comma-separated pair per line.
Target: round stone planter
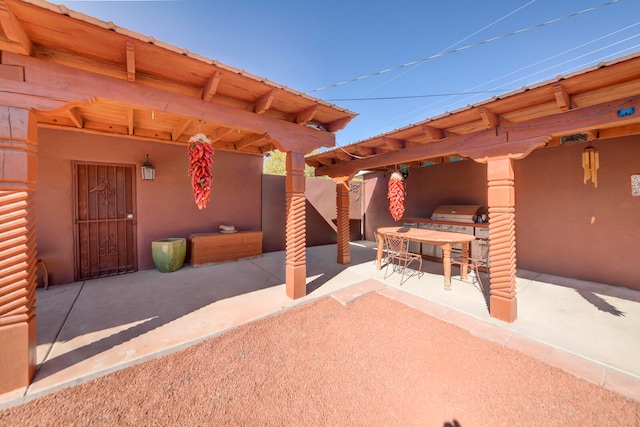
x,y
168,254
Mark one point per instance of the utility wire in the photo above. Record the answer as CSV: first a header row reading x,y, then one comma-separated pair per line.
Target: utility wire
x,y
419,61
434,95
451,46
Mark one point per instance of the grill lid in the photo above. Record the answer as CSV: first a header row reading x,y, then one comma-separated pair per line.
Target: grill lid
x,y
457,213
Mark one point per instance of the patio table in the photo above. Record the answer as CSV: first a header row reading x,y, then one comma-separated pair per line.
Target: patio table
x,y
444,239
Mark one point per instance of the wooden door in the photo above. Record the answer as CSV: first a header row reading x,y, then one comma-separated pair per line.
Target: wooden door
x,y
105,217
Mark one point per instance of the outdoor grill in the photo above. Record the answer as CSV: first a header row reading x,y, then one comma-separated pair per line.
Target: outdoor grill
x,y
467,219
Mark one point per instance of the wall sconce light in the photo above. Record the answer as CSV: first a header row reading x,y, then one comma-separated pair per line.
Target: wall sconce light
x,y
148,171
590,164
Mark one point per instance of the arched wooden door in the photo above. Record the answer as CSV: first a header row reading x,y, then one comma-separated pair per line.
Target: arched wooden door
x,y
105,220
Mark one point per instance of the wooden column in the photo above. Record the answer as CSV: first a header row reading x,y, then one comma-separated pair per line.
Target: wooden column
x,y
502,239
342,207
296,274
18,176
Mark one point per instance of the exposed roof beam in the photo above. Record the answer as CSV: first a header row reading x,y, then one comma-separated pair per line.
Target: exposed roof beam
x,y
179,130
17,39
219,133
76,118
252,140
343,155
433,133
337,125
264,103
130,120
489,117
562,97
211,86
306,115
325,160
365,151
131,61
393,143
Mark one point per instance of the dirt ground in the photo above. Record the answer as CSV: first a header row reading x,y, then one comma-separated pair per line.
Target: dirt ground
x,y
373,362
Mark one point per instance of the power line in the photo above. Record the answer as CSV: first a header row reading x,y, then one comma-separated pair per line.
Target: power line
x,y
419,61
382,98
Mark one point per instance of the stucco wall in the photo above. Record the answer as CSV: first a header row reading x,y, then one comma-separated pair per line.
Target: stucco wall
x,y
554,208
165,207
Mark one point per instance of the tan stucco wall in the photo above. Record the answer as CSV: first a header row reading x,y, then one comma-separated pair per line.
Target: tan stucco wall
x,y
165,207
554,233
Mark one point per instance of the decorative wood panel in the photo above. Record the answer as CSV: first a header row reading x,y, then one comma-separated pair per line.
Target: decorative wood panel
x,y
105,220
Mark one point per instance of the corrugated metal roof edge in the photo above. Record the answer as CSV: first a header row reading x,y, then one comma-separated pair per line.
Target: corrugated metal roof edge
x,y
63,10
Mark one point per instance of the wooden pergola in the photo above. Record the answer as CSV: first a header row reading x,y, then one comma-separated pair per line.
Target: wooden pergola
x,y
596,103
64,70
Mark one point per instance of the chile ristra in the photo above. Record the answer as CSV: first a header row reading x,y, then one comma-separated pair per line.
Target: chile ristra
x,y
396,196
200,161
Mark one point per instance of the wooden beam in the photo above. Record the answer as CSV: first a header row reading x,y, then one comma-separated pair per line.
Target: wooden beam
x,y
131,61
393,143
343,155
17,39
337,125
489,118
306,115
180,128
252,140
43,91
211,86
264,103
562,97
433,133
219,133
76,118
365,151
325,160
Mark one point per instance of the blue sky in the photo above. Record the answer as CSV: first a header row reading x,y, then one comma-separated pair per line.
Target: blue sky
x,y
310,45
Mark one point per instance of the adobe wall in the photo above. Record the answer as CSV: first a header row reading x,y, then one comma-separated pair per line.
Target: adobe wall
x,y
165,207
554,208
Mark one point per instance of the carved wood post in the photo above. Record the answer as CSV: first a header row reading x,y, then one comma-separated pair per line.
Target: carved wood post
x,y
502,239
18,177
296,270
342,208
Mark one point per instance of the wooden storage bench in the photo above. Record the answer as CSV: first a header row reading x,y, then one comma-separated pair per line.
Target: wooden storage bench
x,y
209,248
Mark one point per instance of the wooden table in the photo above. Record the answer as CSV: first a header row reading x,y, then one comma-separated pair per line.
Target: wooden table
x,y
444,239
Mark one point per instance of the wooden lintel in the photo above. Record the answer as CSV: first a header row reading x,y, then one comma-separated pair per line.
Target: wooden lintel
x,y
489,118
337,125
563,100
179,130
18,39
393,143
264,103
211,86
76,118
432,132
131,61
306,115
130,120
252,140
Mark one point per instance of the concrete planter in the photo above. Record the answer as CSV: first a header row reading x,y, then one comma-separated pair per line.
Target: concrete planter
x,y
168,254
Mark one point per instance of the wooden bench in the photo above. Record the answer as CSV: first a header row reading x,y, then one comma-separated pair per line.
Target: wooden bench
x,y
210,248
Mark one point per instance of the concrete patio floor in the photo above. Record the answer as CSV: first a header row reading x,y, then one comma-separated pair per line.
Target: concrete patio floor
x,y
89,329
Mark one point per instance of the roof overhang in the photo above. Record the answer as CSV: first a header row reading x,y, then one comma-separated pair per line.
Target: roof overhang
x,y
596,103
91,76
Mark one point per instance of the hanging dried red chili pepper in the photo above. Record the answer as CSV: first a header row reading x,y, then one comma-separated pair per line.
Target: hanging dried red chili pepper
x,y
396,196
200,161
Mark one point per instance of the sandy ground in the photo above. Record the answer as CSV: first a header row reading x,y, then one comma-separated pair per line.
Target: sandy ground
x,y
373,362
